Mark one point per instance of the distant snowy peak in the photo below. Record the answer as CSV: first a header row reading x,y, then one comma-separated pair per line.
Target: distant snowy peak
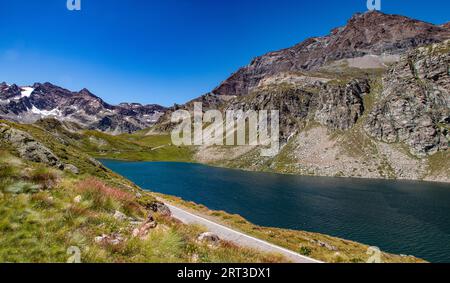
x,y
28,104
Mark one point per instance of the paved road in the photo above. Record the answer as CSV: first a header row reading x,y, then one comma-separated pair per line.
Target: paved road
x,y
236,237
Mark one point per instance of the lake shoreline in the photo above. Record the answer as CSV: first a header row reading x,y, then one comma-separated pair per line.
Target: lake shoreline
x,y
271,172
399,216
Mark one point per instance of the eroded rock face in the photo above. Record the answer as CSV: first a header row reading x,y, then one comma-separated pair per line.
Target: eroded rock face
x,y
414,107
336,106
340,107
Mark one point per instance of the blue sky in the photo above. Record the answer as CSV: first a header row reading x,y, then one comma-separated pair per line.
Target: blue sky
x,y
164,51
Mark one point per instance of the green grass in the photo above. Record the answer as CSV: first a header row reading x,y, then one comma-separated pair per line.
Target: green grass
x,y
136,147
40,226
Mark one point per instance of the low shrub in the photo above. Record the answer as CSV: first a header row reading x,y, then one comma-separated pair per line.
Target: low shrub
x,y
7,171
102,196
46,178
305,251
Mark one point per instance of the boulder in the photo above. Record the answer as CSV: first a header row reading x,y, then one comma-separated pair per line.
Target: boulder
x,y
72,169
120,216
209,237
112,239
161,208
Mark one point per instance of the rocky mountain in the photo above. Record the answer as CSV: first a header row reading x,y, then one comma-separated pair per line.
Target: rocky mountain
x,y
372,99
31,103
368,34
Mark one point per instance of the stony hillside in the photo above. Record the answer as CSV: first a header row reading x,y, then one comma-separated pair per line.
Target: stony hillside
x,y
29,104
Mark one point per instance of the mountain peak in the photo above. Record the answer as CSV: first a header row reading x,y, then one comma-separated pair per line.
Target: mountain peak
x,y
87,92
370,33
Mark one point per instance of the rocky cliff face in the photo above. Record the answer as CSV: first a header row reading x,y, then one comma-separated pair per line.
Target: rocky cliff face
x,y
371,33
414,107
29,104
337,106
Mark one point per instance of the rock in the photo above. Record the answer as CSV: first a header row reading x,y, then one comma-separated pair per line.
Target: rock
x,y
143,230
120,216
77,199
138,195
112,239
72,169
28,147
326,245
161,208
209,237
94,162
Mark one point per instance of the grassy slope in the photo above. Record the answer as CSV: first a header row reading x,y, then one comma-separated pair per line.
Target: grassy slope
x,y
136,147
40,219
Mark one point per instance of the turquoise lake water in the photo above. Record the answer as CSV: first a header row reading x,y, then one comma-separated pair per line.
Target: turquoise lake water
x,y
402,217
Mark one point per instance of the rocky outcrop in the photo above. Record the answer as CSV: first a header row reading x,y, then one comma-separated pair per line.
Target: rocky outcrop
x,y
337,106
27,147
371,33
29,104
340,107
414,107
72,169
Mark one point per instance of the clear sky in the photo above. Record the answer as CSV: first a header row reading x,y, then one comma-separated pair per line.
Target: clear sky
x,y
164,51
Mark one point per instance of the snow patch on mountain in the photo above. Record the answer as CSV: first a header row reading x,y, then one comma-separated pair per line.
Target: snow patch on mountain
x,y
45,113
26,91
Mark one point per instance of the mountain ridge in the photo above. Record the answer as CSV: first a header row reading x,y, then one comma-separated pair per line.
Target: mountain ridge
x,y
361,36
42,100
